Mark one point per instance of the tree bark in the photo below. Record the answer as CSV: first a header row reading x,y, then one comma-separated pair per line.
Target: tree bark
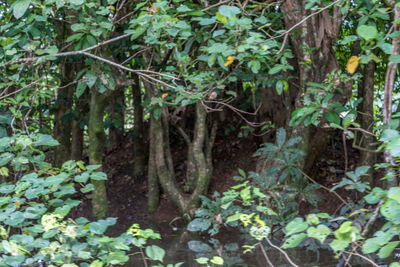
x,y
153,195
62,122
138,130
312,44
96,147
367,142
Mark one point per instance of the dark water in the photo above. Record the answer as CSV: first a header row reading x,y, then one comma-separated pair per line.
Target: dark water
x,y
186,247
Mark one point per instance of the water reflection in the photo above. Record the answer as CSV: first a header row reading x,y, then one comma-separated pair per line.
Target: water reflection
x,y
184,246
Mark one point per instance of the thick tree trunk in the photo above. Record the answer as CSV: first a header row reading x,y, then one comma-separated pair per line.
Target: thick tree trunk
x,y
138,130
312,44
201,145
96,147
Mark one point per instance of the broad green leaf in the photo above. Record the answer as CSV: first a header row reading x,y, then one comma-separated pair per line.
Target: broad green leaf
x,y
295,226
202,260
20,7
339,245
217,260
394,193
77,2
391,210
371,245
293,241
229,11
199,224
375,196
395,58
367,32
385,251
155,253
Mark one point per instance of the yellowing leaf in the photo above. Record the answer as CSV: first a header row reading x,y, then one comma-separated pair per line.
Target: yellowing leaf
x,y
164,95
154,9
229,61
352,64
17,205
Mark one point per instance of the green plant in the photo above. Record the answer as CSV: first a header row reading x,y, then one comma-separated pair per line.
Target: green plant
x,y
35,207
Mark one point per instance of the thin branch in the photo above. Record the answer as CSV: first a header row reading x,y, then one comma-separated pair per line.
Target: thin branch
x,y
282,251
324,187
265,255
363,257
304,20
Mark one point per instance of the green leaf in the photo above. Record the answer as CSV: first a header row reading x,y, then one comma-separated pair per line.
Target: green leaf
x,y
229,11
277,68
80,89
20,7
294,240
367,32
199,224
217,260
394,193
155,253
391,210
395,58
320,232
98,176
295,226
255,66
77,2
375,196
202,260
233,217
385,251
371,245
339,245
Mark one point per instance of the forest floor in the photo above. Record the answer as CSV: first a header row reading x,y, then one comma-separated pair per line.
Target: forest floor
x,y
127,195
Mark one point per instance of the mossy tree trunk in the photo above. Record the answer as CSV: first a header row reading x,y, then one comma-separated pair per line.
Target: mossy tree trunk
x,y
96,147
138,130
200,156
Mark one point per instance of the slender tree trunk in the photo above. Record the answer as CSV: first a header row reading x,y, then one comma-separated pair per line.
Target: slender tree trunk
x,y
62,122
116,107
77,140
367,142
96,147
153,195
388,93
138,130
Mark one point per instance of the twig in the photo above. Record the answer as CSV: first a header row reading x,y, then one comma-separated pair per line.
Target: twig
x,y
346,160
282,251
265,255
363,257
304,20
324,187
372,219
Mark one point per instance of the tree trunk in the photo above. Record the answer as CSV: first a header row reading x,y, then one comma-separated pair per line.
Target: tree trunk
x,y
96,147
116,113
138,130
153,195
201,146
77,141
62,122
367,141
312,44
